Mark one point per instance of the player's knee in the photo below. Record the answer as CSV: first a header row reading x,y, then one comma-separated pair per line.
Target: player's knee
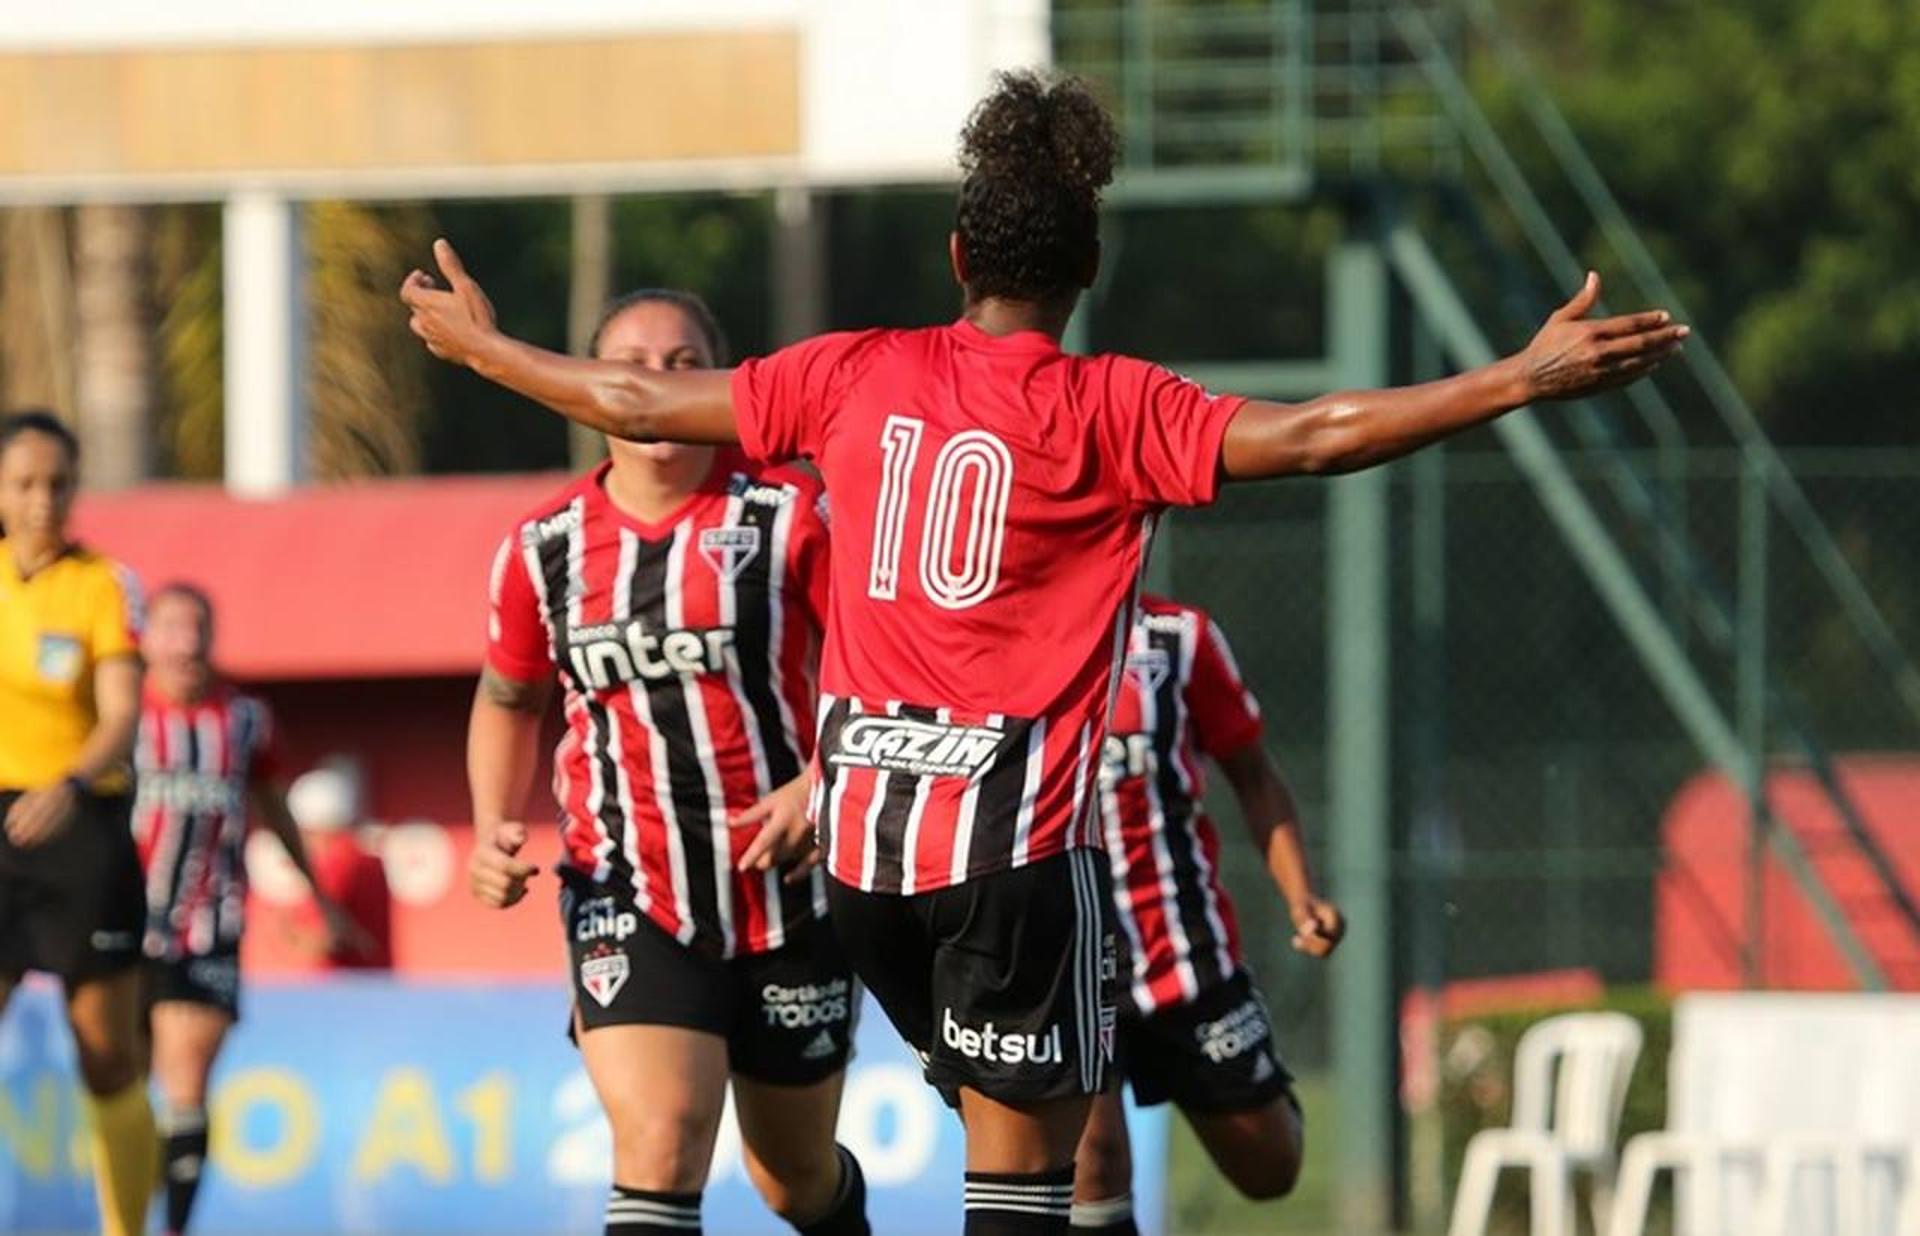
x,y
799,1180
1268,1178
663,1151
107,1067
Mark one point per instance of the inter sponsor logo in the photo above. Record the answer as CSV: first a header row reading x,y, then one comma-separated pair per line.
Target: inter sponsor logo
x,y
918,748
608,655
1234,1035
729,550
807,1005
601,918
991,1044
188,792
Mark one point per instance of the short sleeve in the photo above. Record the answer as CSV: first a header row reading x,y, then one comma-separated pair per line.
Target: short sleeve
x,y
1225,715
782,402
1164,432
517,644
117,614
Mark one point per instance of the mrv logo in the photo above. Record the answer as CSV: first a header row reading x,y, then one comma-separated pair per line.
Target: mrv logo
x,y
919,748
605,656
991,1045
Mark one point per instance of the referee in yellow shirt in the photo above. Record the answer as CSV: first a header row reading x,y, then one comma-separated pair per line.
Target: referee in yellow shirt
x,y
71,899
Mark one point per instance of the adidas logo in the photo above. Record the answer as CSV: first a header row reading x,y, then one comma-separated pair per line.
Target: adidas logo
x,y
821,1047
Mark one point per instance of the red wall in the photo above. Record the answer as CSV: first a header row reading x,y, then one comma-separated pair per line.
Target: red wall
x,y
1700,904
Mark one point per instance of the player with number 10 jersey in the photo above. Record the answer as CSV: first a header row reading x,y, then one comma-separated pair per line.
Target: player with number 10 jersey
x,y
993,498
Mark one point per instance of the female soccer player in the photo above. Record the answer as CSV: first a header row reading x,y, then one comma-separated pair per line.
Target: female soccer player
x,y
70,897
678,593
992,498
1192,1027
204,755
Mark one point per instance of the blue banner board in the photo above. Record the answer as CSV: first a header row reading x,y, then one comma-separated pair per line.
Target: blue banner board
x,y
370,1105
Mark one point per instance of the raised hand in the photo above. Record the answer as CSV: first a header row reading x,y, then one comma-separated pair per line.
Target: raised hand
x,y
453,321
1574,355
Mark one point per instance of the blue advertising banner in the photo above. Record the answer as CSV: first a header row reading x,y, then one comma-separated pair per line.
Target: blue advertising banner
x,y
367,1105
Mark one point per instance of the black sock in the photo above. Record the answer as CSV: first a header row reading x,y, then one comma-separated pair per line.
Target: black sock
x,y
184,1143
643,1212
847,1214
1111,1216
1019,1203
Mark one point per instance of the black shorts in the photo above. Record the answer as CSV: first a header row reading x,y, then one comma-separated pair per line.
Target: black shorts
x,y
75,907
1212,1055
788,1016
1004,984
212,980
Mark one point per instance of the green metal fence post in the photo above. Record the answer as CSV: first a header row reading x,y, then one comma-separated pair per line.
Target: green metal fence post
x,y
1751,676
1358,722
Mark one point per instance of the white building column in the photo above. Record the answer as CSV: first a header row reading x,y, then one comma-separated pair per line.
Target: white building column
x,y
265,344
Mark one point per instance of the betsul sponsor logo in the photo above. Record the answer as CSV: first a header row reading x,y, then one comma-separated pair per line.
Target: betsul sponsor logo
x,y
1234,1035
919,748
807,1005
997,1046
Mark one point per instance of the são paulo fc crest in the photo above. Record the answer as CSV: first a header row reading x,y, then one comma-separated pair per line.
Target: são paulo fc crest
x,y
603,974
729,550
1149,667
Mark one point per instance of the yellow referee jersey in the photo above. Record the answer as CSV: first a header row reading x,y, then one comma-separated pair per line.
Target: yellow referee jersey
x,y
55,626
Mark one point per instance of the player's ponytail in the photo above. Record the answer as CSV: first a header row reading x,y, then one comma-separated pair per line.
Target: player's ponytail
x,y
1034,156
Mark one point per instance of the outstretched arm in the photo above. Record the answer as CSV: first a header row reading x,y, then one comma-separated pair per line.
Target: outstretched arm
x,y
1572,356
625,400
1273,821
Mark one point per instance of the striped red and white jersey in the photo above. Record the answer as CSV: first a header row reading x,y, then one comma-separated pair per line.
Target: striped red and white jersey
x,y
687,653
1181,700
993,498
194,764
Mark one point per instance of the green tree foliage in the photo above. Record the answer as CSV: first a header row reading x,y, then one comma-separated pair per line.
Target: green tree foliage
x,y
1770,150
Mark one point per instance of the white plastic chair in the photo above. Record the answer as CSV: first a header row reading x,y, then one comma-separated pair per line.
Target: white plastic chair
x,y
1777,1164
1565,1119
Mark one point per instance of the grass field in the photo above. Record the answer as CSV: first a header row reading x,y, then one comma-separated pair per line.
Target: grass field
x,y
1200,1203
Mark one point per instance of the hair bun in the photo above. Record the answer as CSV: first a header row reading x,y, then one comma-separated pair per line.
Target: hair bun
x,y
1037,128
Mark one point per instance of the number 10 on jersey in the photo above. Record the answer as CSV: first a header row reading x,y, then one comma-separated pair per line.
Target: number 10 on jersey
x,y
965,526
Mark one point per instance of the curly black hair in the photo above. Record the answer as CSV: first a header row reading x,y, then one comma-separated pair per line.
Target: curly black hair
x,y
1034,156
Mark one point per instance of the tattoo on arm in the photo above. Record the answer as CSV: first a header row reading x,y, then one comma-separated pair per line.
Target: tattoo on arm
x,y
507,692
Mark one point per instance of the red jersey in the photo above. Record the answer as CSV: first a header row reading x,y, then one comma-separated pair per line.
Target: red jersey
x,y
1180,701
993,499
195,764
687,651
355,880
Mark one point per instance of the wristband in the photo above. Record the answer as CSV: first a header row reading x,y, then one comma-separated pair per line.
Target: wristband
x,y
77,784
